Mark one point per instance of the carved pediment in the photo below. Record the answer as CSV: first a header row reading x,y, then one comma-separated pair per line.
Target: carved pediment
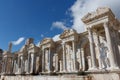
x,y
98,13
33,48
87,16
8,54
5,53
46,41
68,33
23,49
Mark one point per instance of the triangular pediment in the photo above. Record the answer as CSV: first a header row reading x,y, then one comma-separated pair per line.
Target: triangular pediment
x,y
46,40
68,33
100,12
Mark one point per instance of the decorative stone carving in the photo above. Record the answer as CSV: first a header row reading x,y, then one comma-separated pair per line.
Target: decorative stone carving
x,y
104,56
67,33
100,12
73,53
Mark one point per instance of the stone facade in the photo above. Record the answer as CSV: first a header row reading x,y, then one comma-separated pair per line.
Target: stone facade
x,y
95,50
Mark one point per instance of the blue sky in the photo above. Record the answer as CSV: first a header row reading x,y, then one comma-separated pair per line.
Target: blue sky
x,y
30,18
21,19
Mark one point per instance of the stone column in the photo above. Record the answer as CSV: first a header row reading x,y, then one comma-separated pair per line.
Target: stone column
x,y
12,65
43,60
26,66
37,64
18,64
113,63
92,49
61,66
32,63
64,57
4,65
22,67
14,70
89,62
83,59
56,57
49,60
28,71
74,54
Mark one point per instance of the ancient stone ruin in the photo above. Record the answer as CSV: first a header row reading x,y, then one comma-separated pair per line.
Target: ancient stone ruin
x,y
91,55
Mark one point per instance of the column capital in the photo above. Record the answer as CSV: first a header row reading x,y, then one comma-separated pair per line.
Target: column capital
x,y
88,28
105,24
63,43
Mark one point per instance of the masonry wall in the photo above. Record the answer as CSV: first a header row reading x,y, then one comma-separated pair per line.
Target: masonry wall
x,y
92,76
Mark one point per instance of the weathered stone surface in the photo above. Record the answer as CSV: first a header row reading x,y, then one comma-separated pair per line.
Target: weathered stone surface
x,y
95,50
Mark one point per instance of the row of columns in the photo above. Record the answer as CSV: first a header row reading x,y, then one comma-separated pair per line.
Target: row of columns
x,y
109,45
27,65
7,65
74,64
64,56
49,60
19,65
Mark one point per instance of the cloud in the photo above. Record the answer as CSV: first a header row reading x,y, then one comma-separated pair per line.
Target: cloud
x,y
42,35
56,37
82,7
59,25
21,39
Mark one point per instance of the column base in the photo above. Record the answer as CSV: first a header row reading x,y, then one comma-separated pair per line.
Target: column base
x,y
27,73
49,72
113,68
93,69
3,73
16,72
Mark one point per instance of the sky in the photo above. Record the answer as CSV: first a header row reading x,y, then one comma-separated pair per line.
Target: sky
x,y
38,19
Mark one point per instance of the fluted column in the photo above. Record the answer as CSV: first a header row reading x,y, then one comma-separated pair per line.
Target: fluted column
x,y
113,62
3,65
32,63
80,59
83,59
49,60
97,42
92,49
12,65
74,54
56,62
18,64
61,66
14,70
64,57
22,64
28,69
43,60
89,62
